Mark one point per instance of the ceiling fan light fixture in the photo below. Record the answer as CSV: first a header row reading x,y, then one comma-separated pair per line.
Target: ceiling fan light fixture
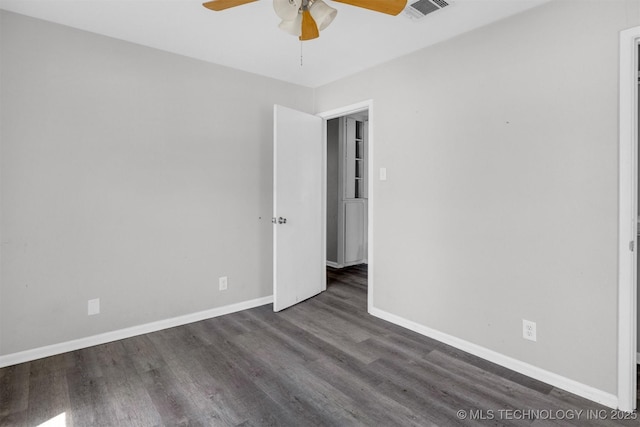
x,y
292,26
306,18
309,27
322,13
287,10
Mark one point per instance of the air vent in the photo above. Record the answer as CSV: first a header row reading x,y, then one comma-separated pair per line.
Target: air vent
x,y
421,8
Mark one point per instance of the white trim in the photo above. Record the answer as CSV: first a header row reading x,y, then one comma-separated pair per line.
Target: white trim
x,y
345,111
323,178
627,221
275,202
52,350
351,264
539,374
334,264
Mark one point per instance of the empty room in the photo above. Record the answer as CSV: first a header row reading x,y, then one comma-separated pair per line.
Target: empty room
x,y
292,212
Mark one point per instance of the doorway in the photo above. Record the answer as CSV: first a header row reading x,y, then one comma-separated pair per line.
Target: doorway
x,y
637,181
348,190
628,219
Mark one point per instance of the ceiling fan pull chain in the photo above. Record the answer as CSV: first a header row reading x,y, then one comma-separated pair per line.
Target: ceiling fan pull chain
x,y
301,53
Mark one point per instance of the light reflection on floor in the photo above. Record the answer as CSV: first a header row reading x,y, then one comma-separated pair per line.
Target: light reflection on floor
x,y
57,421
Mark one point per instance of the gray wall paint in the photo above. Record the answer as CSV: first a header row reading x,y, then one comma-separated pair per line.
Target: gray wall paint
x,y
333,192
130,175
501,200
139,177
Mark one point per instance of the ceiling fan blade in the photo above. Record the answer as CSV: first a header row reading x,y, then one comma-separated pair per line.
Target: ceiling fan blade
x,y
309,27
390,7
224,4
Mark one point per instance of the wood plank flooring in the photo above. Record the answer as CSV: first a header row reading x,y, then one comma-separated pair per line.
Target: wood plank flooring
x,y
324,362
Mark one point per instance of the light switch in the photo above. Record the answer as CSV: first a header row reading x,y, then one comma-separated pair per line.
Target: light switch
x,y
383,174
93,307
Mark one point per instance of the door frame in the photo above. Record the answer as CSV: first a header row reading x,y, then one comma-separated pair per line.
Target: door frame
x,y
340,112
627,220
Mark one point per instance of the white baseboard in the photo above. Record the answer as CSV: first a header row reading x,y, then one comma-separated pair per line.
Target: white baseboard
x,y
52,350
539,374
336,265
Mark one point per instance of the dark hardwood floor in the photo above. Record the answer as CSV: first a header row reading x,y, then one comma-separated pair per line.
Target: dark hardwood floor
x,y
324,362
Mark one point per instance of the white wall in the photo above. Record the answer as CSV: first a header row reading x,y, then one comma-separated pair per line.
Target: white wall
x,y
130,175
501,200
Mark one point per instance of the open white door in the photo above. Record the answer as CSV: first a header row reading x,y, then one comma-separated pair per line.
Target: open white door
x,y
298,238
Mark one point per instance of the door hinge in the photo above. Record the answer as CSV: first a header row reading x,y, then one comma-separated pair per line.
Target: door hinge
x,y
631,245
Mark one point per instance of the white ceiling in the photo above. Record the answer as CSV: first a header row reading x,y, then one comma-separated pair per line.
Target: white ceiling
x,y
248,38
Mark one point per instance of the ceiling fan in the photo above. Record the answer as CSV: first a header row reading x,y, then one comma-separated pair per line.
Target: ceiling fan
x,y
306,18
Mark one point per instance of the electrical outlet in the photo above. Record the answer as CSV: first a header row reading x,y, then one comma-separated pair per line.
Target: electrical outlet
x,y
222,283
93,307
529,330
